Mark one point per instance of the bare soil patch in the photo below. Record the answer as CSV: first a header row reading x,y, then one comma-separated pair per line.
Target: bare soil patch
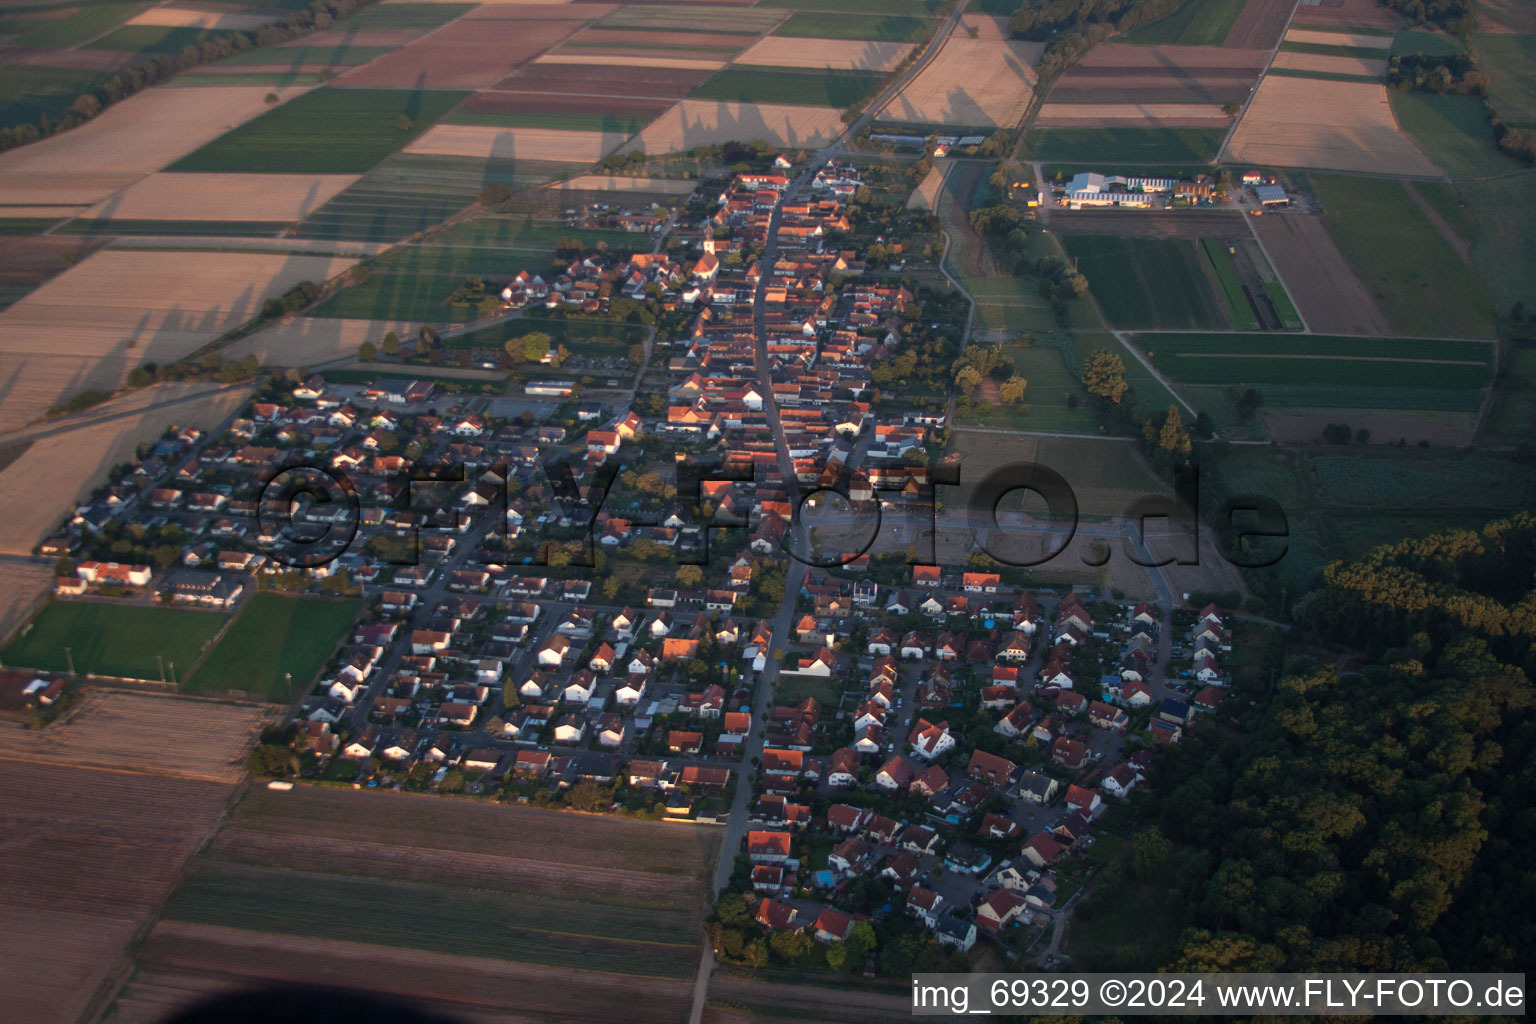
x,y
1123,73
1260,24
987,81
705,122
1362,40
471,53
1331,65
1326,291
1306,122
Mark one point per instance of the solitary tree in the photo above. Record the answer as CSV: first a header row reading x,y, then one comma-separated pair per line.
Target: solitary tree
x,y
366,352
392,344
535,346
1012,389
968,379
1104,376
690,575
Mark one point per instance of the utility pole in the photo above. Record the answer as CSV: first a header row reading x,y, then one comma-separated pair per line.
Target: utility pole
x,y
161,662
69,660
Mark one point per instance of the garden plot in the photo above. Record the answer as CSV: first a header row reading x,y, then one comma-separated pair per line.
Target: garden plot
x,y
707,122
834,54
222,197
516,143
127,141
980,81
1305,122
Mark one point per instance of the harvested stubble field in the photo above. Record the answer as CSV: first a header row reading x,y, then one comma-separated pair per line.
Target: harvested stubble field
x,y
89,856
613,59
801,87
1142,115
526,86
1327,292
1304,122
181,963
1358,40
692,17
146,734
1328,65
57,471
126,141
26,261
473,52
723,45
119,308
983,82
841,54
180,17
708,122
493,143
222,197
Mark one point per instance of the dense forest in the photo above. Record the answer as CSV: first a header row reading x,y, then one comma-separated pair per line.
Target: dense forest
x,y
1377,819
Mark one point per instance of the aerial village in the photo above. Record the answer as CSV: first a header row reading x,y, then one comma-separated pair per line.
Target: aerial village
x,y
554,615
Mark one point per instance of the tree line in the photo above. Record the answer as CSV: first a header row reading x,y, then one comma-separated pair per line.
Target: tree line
x,y
320,14
1071,27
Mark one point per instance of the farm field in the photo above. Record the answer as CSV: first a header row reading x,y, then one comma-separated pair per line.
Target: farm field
x,y
511,144
618,185
638,43
1504,238
476,50
327,131
1453,131
1304,122
1416,277
890,28
1320,280
144,734
693,17
587,87
833,54
308,340
311,57
118,308
1510,61
1372,42
89,857
1119,73
26,261
1364,16
55,472
1242,312
1259,25
186,18
113,640
56,30
151,39
1144,282
1124,144
247,659
1327,66
128,140
406,194
28,91
473,890
789,85
222,197
1130,115
708,122
907,8
1199,23
22,584
980,79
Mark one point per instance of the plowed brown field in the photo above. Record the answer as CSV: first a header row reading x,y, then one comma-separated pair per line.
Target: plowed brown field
x,y
1325,289
470,53
1260,24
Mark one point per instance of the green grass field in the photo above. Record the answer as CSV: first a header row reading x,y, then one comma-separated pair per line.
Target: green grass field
x,y
1124,145
1319,371
1436,44
1284,307
788,85
448,919
1146,282
29,91
1453,131
74,27
612,338
882,27
1504,240
1009,303
113,640
273,635
153,39
1197,23
1443,197
327,131
1231,289
1510,62
1416,277
791,690
222,228
414,282
1048,400
268,78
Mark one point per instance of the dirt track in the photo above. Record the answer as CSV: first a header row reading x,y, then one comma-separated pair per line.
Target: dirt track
x,y
1327,292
